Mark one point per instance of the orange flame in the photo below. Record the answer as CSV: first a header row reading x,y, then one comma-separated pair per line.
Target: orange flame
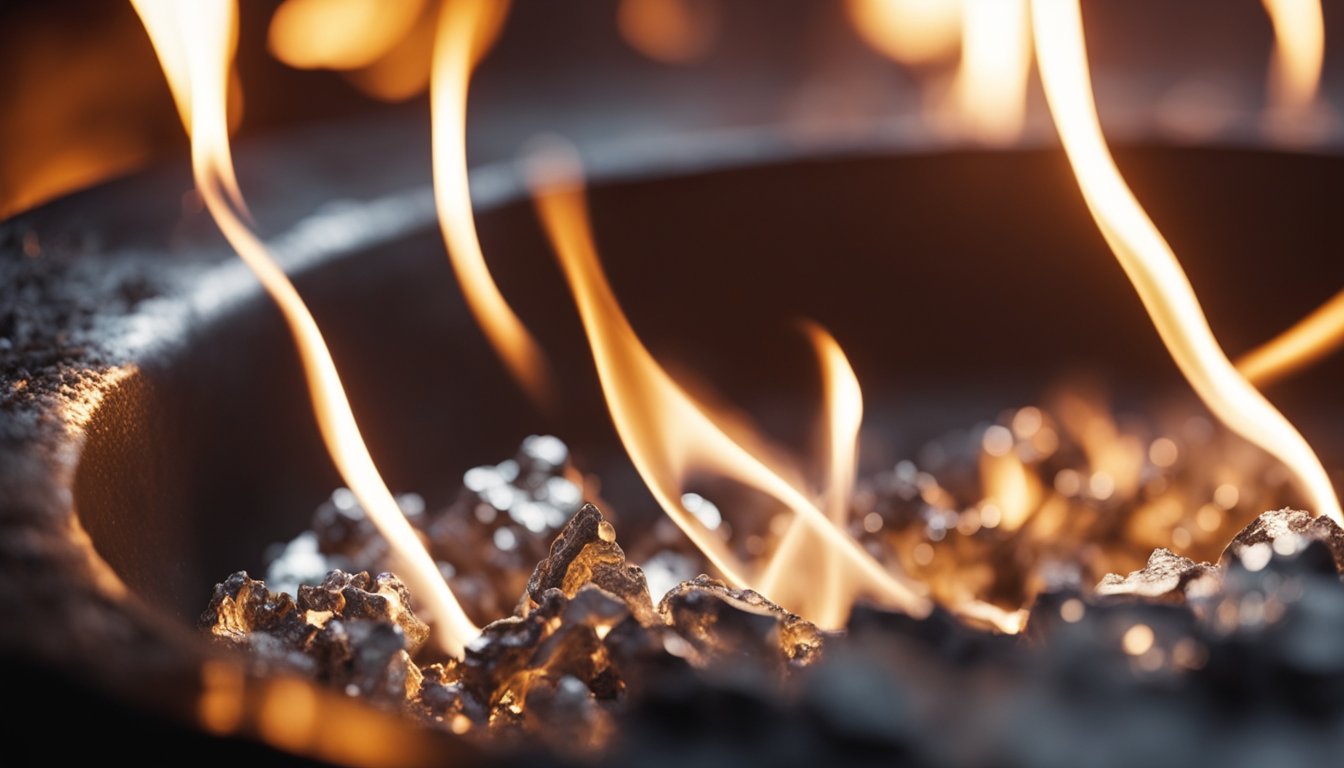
x,y
339,34
785,579
908,31
990,91
1299,51
195,44
466,29
383,48
667,433
670,31
1149,262
1312,338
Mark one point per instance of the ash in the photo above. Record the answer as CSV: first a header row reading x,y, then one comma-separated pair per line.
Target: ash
x,y
1224,660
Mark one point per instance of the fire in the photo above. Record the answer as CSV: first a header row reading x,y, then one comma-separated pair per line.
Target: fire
x,y
383,48
195,43
1299,51
1149,262
1311,339
908,31
668,434
670,31
825,601
990,90
466,30
339,34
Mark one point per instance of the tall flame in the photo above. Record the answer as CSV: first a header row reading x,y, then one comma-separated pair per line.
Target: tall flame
x,y
1311,339
824,597
669,435
195,43
1148,259
990,90
466,29
1299,51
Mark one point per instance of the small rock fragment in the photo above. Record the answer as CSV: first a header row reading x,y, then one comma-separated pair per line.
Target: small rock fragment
x,y
1167,576
1286,532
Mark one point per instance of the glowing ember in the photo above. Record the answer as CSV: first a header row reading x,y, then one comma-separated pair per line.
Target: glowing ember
x,y
1149,261
195,44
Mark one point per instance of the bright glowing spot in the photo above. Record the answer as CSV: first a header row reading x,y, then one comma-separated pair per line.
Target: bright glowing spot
x,y
1149,261
339,34
667,434
1072,610
990,90
203,35
1138,639
466,29
1163,452
670,31
1299,51
908,31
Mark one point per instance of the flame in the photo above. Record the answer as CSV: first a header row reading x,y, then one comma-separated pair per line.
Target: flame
x,y
198,38
1311,339
908,31
466,29
339,34
990,91
667,433
383,48
1299,51
670,31
1149,262
786,579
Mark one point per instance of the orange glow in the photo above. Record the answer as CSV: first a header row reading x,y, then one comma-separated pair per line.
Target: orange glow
x,y
466,30
990,90
203,32
1299,51
670,31
1311,339
669,435
824,591
1011,490
339,34
908,31
1149,262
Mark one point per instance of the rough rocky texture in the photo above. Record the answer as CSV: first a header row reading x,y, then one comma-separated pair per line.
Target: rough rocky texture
x,y
1166,576
1286,531
352,632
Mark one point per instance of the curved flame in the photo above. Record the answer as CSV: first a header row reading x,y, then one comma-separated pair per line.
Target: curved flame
x,y
199,36
1312,338
466,30
824,597
668,435
1299,52
1149,262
